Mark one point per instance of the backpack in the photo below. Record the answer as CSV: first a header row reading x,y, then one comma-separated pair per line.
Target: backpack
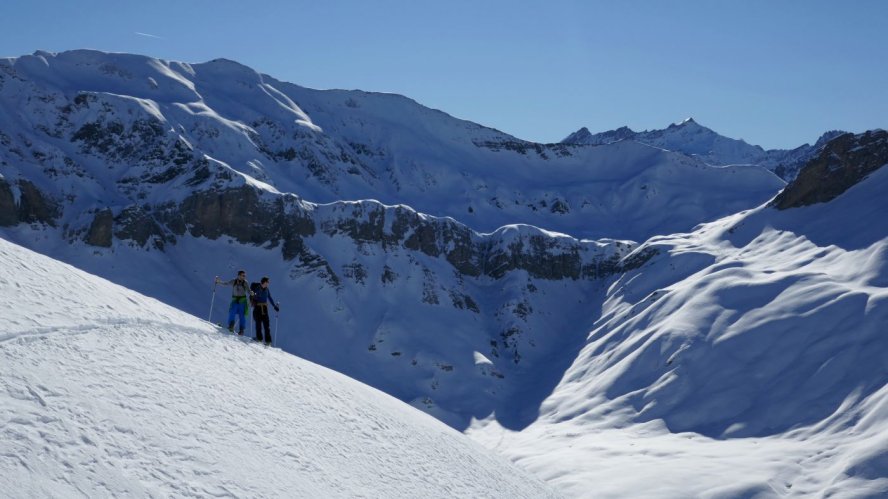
x,y
255,287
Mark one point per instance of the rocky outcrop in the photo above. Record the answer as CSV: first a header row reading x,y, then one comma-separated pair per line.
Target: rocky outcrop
x,y
235,212
787,164
33,205
584,137
251,216
544,151
471,254
8,210
437,237
539,256
245,214
842,163
137,224
254,217
99,233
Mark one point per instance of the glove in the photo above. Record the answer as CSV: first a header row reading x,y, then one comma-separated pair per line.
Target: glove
x,y
277,308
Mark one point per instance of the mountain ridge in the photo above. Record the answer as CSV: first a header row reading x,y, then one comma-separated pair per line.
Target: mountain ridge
x,y
338,145
689,137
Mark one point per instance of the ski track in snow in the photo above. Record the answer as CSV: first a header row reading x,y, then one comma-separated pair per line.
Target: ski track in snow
x,y
169,407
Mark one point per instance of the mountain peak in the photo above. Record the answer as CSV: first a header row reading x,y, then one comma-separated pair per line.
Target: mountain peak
x,y
686,123
828,136
580,136
585,137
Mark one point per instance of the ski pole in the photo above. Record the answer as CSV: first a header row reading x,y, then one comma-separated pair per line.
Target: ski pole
x,y
277,319
213,301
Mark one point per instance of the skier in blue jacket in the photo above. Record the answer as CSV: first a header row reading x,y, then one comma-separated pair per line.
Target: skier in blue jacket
x,y
261,299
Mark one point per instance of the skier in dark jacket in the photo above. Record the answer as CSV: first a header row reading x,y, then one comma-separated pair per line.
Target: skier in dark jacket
x,y
240,290
261,299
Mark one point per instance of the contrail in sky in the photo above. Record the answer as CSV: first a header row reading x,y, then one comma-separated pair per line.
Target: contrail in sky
x,y
149,35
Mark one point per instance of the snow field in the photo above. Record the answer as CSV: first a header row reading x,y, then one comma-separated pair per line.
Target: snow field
x,y
148,401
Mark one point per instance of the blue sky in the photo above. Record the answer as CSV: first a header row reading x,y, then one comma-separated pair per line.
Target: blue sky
x,y
775,73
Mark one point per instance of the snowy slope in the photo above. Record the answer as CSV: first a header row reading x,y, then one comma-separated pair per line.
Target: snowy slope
x,y
99,130
748,358
424,309
161,175
108,393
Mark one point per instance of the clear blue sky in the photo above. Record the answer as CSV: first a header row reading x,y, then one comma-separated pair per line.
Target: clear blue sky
x,y
775,73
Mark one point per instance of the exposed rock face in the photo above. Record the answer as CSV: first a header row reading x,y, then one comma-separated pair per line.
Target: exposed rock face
x,y
584,136
259,218
248,217
8,211
33,206
438,237
252,217
137,224
99,233
544,151
243,214
843,162
533,254
787,164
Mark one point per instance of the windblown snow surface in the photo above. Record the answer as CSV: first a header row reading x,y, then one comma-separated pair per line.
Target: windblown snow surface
x,y
107,393
749,359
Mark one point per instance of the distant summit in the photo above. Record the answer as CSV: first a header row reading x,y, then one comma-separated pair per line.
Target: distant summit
x,y
690,137
687,121
585,137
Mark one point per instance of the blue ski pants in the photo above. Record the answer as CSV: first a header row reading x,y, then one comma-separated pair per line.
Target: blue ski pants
x,y
237,308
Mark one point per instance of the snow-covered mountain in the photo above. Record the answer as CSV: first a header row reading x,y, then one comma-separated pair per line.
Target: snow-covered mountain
x,y
748,358
110,393
450,265
160,175
104,130
693,139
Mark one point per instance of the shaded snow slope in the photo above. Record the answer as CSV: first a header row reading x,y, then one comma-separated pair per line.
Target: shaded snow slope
x,y
748,358
104,392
